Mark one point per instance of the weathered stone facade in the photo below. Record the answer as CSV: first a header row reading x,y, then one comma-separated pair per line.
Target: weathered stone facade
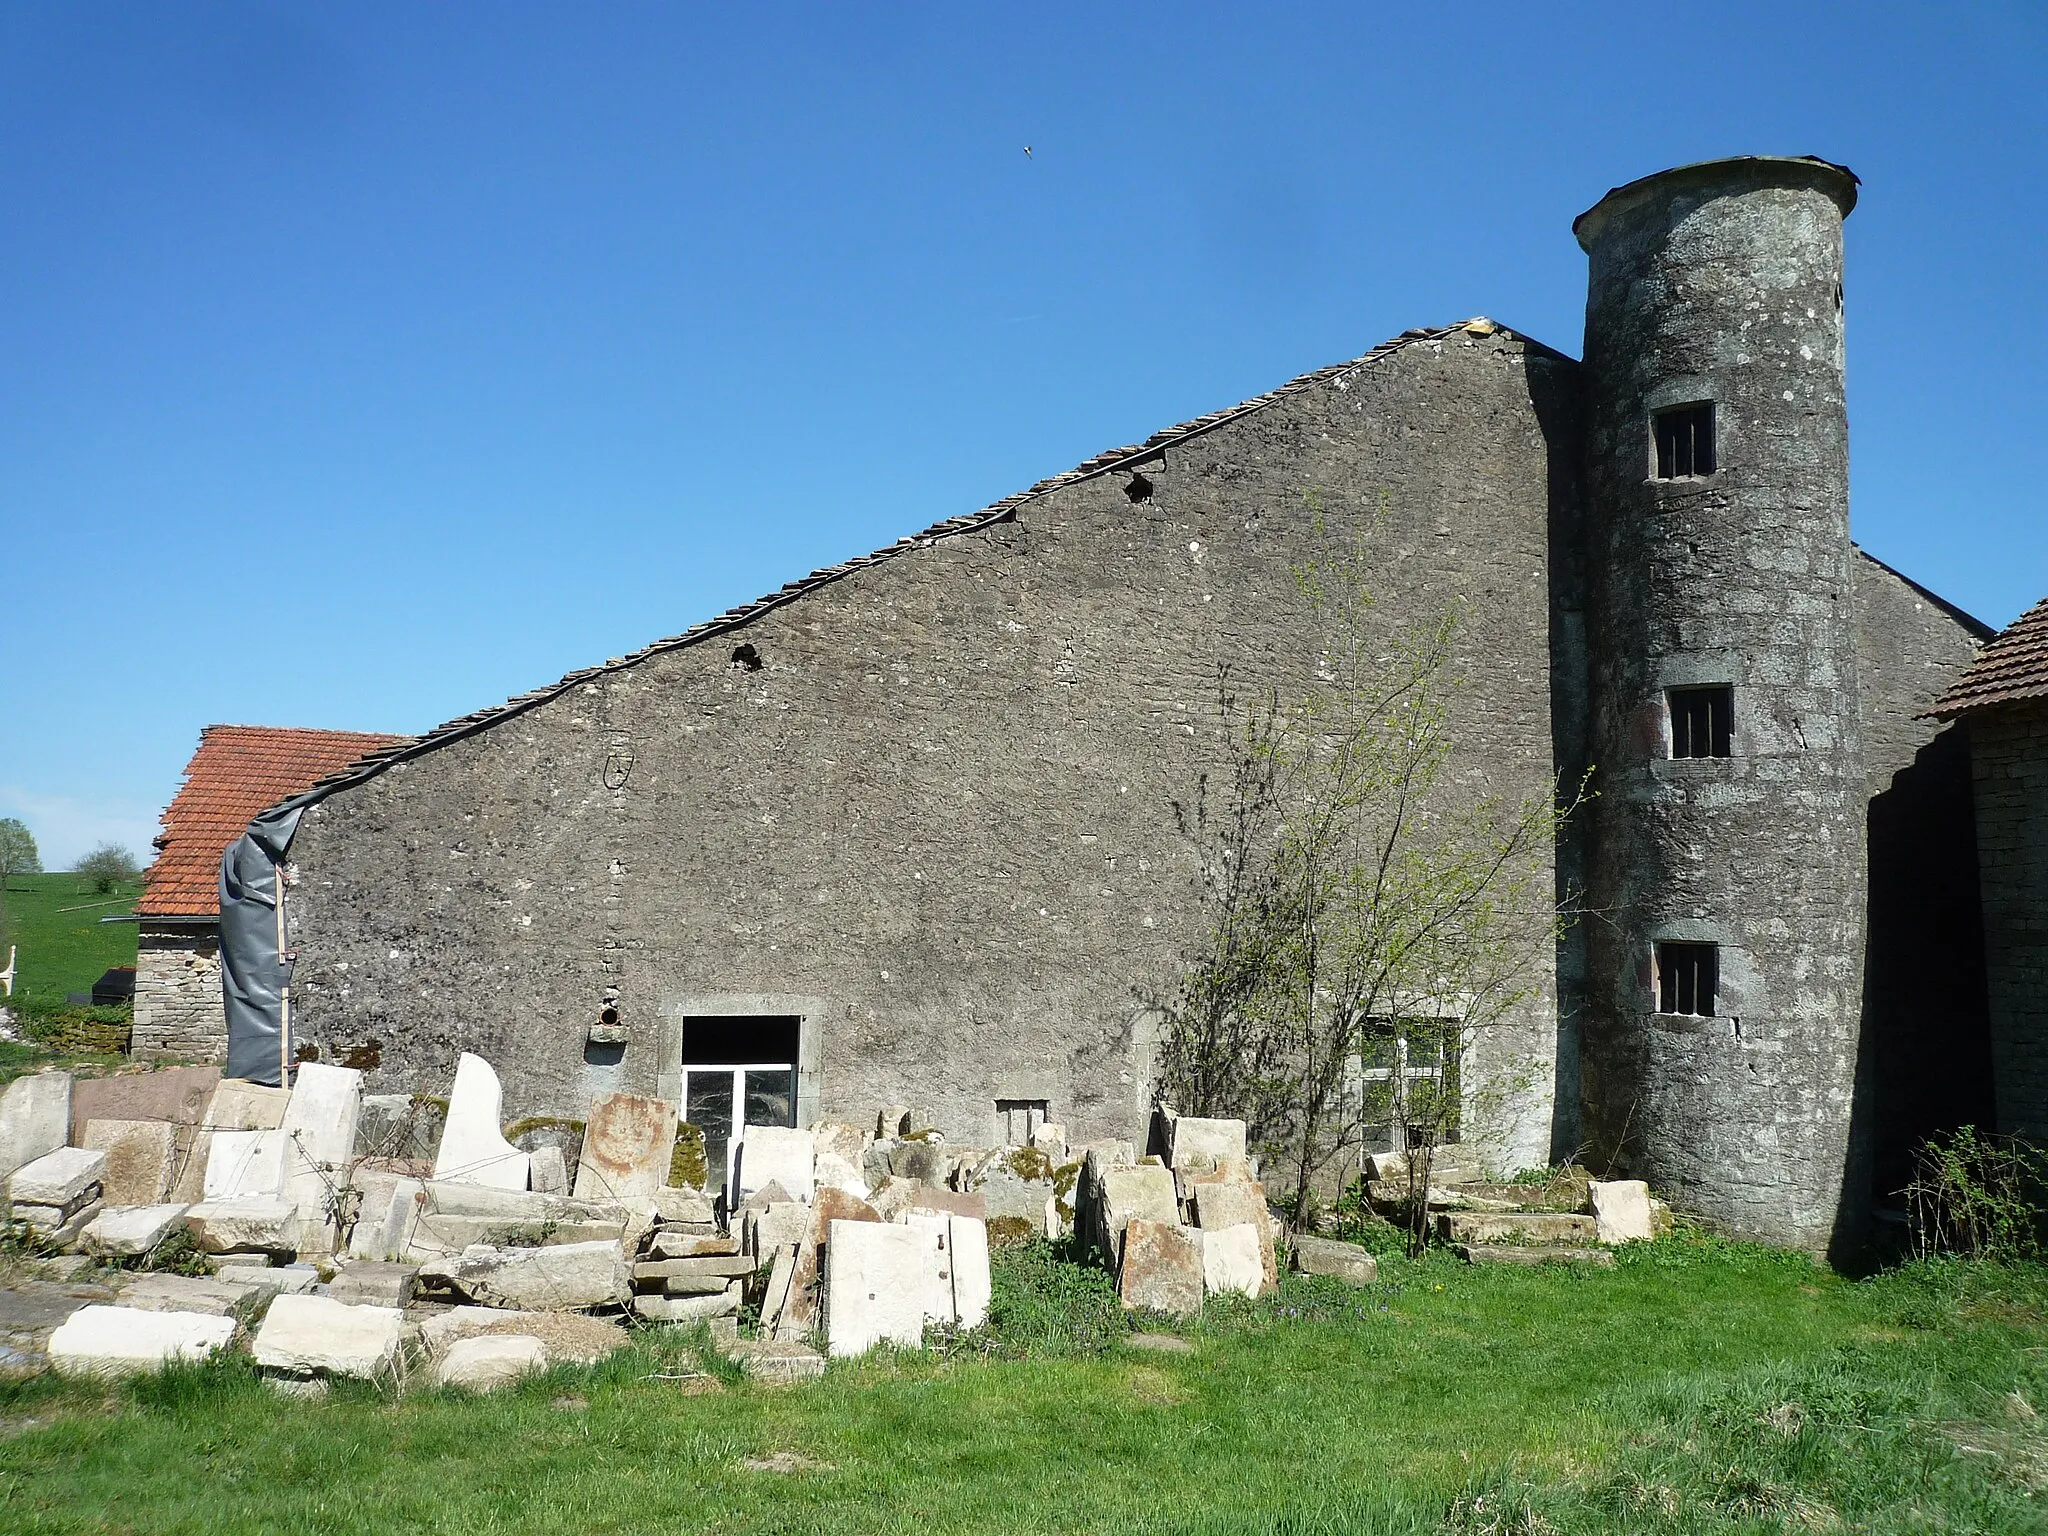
x,y
931,805
2009,749
178,1009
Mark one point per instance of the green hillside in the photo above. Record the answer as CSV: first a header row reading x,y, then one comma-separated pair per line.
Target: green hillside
x,y
53,921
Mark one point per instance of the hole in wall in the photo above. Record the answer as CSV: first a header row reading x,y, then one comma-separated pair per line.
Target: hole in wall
x,y
608,1016
1140,489
604,1053
308,1052
367,1057
746,656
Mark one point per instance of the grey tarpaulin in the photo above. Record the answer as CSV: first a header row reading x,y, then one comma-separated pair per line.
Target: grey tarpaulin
x,y
253,974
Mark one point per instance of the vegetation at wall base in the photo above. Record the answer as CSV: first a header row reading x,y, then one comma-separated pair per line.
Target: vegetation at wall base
x,y
1701,1385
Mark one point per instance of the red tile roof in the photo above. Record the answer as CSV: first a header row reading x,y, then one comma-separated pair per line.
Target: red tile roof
x,y
2013,666
237,771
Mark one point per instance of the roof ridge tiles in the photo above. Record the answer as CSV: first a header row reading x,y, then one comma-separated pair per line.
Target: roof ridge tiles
x,y
1002,510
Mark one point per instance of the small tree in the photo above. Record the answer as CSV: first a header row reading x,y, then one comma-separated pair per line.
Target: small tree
x,y
18,855
1371,922
107,866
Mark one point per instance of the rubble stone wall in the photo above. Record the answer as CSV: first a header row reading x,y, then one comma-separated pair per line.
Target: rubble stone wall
x,y
178,1008
2009,749
945,810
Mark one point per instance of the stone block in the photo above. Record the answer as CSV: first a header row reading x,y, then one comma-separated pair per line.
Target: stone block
x,y
1621,1210
253,1224
490,1361
319,1336
780,1225
240,1163
1110,1153
831,1171
1192,1142
35,1119
775,1295
874,1163
1323,1256
60,1178
1232,1261
473,1147
397,1126
1161,1267
972,1287
112,1341
563,1278
874,1286
238,1105
776,1362
892,1197
778,1155
951,1202
1051,1139
220,1296
691,1245
179,1094
928,1162
61,1226
1003,1193
675,1204
319,1133
1518,1253
141,1159
132,1229
628,1141
688,1309
385,1222
547,1171
1229,1202
1515,1226
1120,1195
938,1263
373,1282
891,1121
277,1279
849,1142
723,1267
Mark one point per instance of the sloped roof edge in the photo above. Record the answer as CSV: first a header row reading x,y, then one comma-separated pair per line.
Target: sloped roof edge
x,y
732,619
2011,669
1968,620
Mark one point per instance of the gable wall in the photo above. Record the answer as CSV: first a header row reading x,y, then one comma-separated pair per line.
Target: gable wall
x,y
942,813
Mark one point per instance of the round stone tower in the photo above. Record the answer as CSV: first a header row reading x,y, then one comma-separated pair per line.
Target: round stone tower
x,y
1726,878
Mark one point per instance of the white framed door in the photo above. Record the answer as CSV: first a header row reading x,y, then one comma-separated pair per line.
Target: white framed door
x,y
723,1100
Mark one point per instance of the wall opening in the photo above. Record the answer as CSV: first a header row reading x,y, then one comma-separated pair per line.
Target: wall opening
x,y
746,657
1688,976
1702,721
738,1071
1685,442
1018,1120
1139,488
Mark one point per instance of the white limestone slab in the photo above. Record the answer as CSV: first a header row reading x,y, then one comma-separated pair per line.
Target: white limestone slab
x,y
1231,1261
238,1105
773,1154
316,1335
972,1286
142,1158
113,1341
1196,1140
874,1286
132,1229
319,1131
242,1163
936,1282
56,1178
35,1118
1621,1210
493,1360
473,1147
253,1224
547,1171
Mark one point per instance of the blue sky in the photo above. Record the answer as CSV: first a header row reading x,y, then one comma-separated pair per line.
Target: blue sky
x,y
362,366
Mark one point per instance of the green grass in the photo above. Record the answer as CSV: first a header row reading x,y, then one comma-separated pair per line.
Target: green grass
x,y
54,923
1697,1387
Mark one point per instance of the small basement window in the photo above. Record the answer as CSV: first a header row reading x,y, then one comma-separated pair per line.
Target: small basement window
x,y
1688,976
1685,442
1019,1119
1703,722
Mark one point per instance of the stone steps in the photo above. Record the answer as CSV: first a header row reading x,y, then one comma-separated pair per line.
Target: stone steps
x,y
1541,1253
1527,1227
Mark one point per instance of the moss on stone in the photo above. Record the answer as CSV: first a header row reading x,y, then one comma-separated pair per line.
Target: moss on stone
x,y
520,1128
1029,1163
687,1167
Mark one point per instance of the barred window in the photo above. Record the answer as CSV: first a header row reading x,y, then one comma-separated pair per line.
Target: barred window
x,y
1687,977
1702,722
1685,442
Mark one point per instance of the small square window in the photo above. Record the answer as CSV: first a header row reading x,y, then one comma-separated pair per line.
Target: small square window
x,y
1687,977
1685,442
1703,722
1020,1119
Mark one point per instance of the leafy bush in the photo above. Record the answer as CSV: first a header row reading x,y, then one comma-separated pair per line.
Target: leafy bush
x,y
108,866
1980,1196
74,1029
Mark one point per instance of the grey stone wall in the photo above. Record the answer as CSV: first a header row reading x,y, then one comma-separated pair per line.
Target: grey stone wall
x,y
178,1008
942,812
1722,283
2009,750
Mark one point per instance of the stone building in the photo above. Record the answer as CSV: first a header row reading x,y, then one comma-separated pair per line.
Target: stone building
x,y
237,771
2003,702
907,830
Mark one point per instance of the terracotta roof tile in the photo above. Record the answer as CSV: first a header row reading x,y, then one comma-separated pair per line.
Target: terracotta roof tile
x,y
2012,667
237,771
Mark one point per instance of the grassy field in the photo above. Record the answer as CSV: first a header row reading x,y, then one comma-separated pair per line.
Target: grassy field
x,y
1697,1387
54,923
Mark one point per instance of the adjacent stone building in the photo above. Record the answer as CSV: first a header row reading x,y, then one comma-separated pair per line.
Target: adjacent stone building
x,y
237,771
2003,700
914,829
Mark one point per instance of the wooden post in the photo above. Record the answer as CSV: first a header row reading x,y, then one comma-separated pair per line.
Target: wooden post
x,y
284,992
